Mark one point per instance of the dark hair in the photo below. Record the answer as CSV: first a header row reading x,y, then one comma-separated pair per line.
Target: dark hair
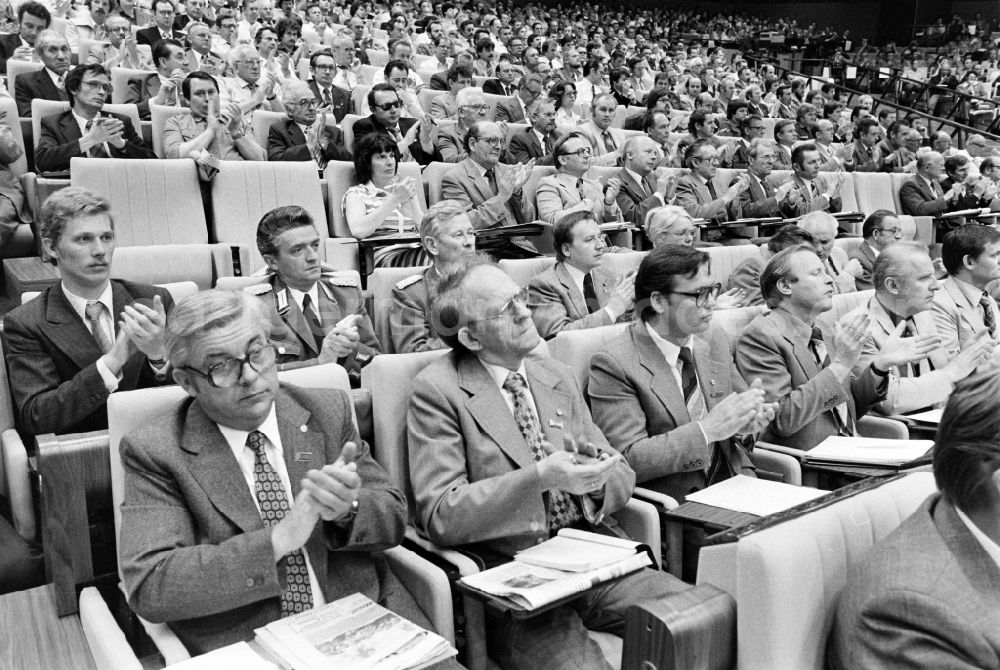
x,y
259,37
395,65
698,117
866,124
483,45
745,123
778,267
379,88
735,106
36,9
562,232
659,267
198,74
896,125
967,444
966,241
797,153
286,25
692,150
456,71
875,220
558,151
76,75
559,90
161,50
277,221
780,125
954,162
592,65
323,52
656,95
830,107
884,112
789,235
368,147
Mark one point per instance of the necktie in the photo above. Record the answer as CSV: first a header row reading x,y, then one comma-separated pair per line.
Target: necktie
x,y
396,135
609,142
93,312
711,189
252,88
589,294
327,98
822,357
689,380
547,145
719,467
562,509
313,320
989,318
579,188
911,369
491,178
61,85
297,596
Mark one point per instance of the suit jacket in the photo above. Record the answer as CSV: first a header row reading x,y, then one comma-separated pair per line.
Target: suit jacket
x,y
638,405
775,347
602,157
141,91
967,201
632,199
740,159
341,101
926,596
834,264
33,85
194,551
510,111
554,199
466,183
759,201
918,199
524,146
958,319
693,195
494,87
287,142
52,361
443,107
152,35
866,256
905,392
782,156
294,337
450,144
746,276
866,159
473,474
439,81
60,141
557,304
410,315
8,45
370,125
10,184
812,203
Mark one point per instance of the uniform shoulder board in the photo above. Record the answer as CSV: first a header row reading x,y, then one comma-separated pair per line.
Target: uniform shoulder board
x,y
342,281
409,281
259,289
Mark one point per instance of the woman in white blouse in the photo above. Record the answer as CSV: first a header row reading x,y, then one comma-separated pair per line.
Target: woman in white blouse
x,y
564,94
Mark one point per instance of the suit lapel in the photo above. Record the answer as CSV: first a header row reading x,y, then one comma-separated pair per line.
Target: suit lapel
x,y
663,383
295,133
70,129
293,317
552,403
924,322
577,299
48,88
70,334
632,187
478,179
976,564
804,356
490,412
709,372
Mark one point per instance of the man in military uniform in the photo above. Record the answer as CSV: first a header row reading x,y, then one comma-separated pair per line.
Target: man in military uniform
x,y
448,237
319,315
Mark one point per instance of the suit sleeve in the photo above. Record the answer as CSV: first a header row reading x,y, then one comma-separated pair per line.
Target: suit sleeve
x,y
618,412
948,323
635,212
23,95
280,147
549,311
335,149
746,277
438,111
52,155
134,146
490,213
134,96
517,150
502,113
173,138
408,325
448,147
687,198
914,204
549,202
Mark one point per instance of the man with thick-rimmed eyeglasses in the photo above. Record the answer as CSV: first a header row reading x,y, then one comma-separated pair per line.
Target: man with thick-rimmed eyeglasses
x,y
570,189
290,508
414,138
85,130
879,230
328,95
516,109
536,143
304,135
249,87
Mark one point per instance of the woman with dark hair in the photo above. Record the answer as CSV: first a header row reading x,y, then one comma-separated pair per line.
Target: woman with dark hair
x,y
564,95
381,203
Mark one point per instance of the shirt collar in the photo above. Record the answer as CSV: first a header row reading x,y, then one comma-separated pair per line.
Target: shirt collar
x,y
991,547
80,304
971,292
634,175
576,274
797,327
237,439
669,350
313,294
499,373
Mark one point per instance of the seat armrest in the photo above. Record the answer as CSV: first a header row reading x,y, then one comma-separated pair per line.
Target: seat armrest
x,y
462,563
15,463
661,500
787,465
875,426
107,643
641,521
781,449
167,643
429,585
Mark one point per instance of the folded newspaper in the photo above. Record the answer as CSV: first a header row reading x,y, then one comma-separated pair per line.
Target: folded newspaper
x,y
352,633
526,584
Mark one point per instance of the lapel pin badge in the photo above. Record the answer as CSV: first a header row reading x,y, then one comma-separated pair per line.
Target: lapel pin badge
x,y
303,428
303,456
555,424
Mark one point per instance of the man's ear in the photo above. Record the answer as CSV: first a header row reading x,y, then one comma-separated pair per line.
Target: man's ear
x,y
184,380
468,339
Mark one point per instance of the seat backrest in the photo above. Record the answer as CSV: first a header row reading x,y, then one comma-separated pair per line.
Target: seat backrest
x,y
425,96
575,348
842,304
390,377
246,190
377,57
848,199
615,266
727,259
492,100
9,107
119,82
202,264
873,191
789,577
42,108
848,244
347,128
898,179
261,124
381,282
366,74
731,322
155,201
16,68
158,115
432,176
339,176
521,270
359,101
531,186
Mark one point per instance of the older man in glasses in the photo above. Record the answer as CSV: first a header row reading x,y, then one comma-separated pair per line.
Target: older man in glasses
x,y
248,88
304,135
250,500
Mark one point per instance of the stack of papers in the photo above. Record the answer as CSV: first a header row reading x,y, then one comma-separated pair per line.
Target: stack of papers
x,y
869,451
754,496
238,655
930,416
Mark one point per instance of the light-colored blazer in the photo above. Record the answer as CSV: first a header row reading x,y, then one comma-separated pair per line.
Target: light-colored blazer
x,y
557,304
557,196
927,596
638,405
692,194
959,321
466,183
473,474
450,145
595,136
775,348
444,106
194,551
410,315
838,260
906,393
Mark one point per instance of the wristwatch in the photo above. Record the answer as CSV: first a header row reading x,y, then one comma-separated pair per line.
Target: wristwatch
x,y
880,373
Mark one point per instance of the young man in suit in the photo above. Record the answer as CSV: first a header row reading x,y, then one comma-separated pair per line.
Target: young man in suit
x,y
814,381
503,84
254,466
736,155
879,230
641,191
416,139
163,25
320,316
486,426
816,192
164,86
446,106
536,143
87,336
964,311
84,130
32,19
328,95
566,296
300,137
926,595
49,83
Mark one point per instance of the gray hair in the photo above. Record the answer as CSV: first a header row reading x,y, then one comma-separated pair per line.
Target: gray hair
x,y
817,221
663,218
196,315
438,214
893,261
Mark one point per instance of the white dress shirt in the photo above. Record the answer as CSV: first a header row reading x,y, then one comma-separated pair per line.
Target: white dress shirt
x,y
671,352
106,323
991,547
578,275
313,294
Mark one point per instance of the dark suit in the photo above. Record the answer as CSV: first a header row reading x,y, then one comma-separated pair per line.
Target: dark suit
x,y
33,85
775,347
557,304
341,99
141,91
919,199
369,124
866,256
439,81
494,87
524,145
639,406
632,198
60,141
465,183
8,45
287,142
758,201
741,157
194,551
52,361
150,36
926,596
510,111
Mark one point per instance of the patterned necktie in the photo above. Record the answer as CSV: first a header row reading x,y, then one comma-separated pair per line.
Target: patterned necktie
x,y
689,379
822,357
297,596
313,320
579,188
910,369
93,312
547,145
562,510
327,98
61,85
609,142
589,294
989,318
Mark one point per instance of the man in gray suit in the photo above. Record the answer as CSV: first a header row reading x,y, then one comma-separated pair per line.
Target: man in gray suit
x,y
537,142
250,501
879,230
904,292
963,309
515,108
641,191
163,87
927,596
813,382
761,199
607,142
565,297
487,425
699,192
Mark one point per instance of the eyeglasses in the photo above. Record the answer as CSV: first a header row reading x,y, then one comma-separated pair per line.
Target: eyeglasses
x,y
509,308
711,161
892,231
582,152
478,108
247,63
97,86
228,372
704,296
325,68
389,106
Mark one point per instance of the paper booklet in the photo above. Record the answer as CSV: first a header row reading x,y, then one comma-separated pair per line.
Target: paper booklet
x,y
588,559
238,655
869,451
352,633
929,416
754,496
